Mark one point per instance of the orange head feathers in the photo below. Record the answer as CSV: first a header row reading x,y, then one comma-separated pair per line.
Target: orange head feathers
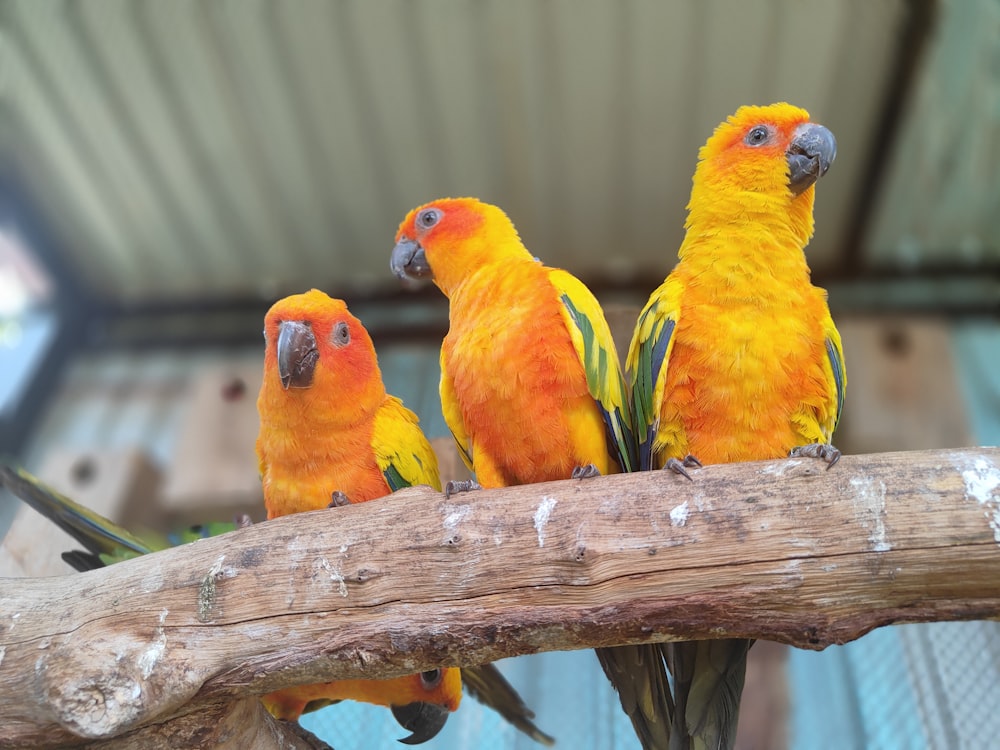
x,y
455,237
317,355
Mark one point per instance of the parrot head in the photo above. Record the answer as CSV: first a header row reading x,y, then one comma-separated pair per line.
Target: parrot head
x,y
448,240
772,149
313,345
420,702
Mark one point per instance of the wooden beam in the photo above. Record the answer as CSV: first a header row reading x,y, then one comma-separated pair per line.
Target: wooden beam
x,y
780,550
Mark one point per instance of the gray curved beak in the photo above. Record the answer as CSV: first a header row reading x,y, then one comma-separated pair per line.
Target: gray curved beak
x,y
810,154
409,262
423,720
297,354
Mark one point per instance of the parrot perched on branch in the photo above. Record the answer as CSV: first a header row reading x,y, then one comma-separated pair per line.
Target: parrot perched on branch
x,y
330,435
531,385
734,358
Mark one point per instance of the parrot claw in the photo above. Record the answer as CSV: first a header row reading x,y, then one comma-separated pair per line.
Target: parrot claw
x,y
243,521
823,451
455,487
338,499
585,472
681,466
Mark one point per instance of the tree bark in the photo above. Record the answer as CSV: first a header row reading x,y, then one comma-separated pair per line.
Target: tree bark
x,y
781,550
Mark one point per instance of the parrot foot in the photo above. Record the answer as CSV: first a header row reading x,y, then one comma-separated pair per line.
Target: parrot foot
x,y
338,499
243,521
455,487
681,466
824,451
585,472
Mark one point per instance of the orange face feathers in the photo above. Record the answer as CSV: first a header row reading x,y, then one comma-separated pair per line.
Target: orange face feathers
x,y
448,240
314,344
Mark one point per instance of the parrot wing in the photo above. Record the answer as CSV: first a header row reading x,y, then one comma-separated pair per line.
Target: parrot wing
x,y
453,417
648,356
639,675
402,451
838,374
488,686
708,682
105,541
595,347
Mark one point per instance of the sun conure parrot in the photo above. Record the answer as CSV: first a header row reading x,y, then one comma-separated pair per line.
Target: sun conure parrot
x,y
330,434
734,358
531,385
421,695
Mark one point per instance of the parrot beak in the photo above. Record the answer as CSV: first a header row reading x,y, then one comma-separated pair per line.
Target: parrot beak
x,y
297,354
810,154
424,720
409,262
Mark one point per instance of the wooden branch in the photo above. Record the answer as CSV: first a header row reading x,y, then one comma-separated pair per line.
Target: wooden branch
x,y
781,550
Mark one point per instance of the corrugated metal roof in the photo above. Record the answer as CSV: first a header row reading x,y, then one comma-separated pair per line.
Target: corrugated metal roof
x,y
940,202
203,150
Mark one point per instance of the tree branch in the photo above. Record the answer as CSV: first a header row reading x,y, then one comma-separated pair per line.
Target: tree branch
x,y
781,550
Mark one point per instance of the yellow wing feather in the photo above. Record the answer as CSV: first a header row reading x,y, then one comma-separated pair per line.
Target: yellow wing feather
x,y
402,451
595,347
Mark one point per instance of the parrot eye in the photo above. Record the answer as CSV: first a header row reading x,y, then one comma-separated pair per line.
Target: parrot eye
x,y
428,218
341,334
431,678
758,136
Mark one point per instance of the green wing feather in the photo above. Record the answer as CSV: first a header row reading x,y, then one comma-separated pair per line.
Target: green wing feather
x,y
648,357
105,541
835,353
596,349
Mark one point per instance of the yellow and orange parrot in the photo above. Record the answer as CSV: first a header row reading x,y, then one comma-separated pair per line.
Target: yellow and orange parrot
x,y
734,358
531,386
329,435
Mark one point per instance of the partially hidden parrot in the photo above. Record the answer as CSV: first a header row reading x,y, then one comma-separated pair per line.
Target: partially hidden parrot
x,y
734,358
531,386
423,696
329,435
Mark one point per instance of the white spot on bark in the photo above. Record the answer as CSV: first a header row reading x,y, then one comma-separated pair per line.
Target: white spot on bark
x,y
542,517
869,510
152,582
335,574
779,468
679,515
982,484
149,658
455,514
3,652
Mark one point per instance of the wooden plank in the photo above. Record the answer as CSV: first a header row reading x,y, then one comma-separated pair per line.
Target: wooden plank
x,y
903,391
213,471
